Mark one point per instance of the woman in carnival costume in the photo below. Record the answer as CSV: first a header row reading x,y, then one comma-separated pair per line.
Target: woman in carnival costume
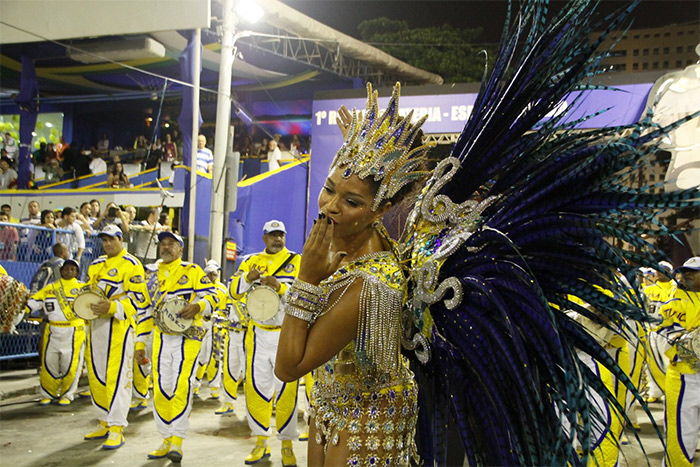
x,y
510,235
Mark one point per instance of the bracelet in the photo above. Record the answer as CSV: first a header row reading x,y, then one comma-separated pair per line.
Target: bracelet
x,y
307,316
304,301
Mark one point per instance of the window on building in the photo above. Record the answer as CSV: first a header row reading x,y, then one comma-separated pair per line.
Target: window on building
x,y
679,50
679,64
645,66
655,65
667,50
635,53
656,51
645,51
689,62
635,66
665,64
657,35
667,34
636,36
690,48
617,53
680,33
646,36
652,177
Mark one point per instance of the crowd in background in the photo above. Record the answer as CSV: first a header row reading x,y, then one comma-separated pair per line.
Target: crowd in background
x,y
76,228
66,160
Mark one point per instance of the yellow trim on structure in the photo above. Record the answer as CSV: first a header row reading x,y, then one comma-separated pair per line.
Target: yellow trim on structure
x,y
257,178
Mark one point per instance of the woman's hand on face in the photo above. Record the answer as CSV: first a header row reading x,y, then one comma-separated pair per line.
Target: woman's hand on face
x,y
316,264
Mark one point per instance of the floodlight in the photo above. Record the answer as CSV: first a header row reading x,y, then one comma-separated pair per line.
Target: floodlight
x,y
249,11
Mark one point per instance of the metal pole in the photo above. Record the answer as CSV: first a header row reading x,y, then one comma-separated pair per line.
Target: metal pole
x,y
195,134
231,200
223,120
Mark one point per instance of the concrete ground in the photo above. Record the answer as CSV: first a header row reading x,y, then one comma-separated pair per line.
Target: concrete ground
x,y
53,436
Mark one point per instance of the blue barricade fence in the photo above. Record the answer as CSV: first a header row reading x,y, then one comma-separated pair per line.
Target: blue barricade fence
x,y
23,248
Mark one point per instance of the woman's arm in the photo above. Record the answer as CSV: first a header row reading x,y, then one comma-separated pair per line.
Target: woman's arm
x,y
302,349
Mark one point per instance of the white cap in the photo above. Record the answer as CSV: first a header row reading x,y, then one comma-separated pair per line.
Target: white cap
x,y
176,237
274,226
211,266
70,261
666,265
693,264
111,230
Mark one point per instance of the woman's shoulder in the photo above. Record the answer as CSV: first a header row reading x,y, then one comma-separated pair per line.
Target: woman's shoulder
x,y
382,266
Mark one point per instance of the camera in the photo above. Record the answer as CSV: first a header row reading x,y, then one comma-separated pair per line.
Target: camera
x,y
112,212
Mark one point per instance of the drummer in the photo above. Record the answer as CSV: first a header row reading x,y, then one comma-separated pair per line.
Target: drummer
x,y
64,337
120,278
276,268
174,355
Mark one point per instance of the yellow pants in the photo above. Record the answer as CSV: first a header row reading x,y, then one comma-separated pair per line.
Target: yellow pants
x,y
261,386
110,360
682,416
62,354
174,361
234,363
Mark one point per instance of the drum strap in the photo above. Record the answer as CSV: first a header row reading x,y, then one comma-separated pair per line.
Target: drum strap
x,y
63,301
286,262
68,324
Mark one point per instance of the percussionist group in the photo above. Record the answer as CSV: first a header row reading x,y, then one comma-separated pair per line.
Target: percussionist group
x,y
166,329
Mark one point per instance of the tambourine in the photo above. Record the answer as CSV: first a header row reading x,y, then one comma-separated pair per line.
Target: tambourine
x,y
87,296
13,298
262,303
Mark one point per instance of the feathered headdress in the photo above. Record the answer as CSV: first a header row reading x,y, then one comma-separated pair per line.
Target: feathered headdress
x,y
382,147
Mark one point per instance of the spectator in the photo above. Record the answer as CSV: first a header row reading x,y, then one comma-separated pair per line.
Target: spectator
x,y
50,152
146,236
11,146
70,161
97,166
39,155
74,240
8,175
274,156
9,239
169,149
164,221
7,209
103,144
96,208
52,171
83,220
205,159
48,271
295,145
34,217
60,147
82,163
39,240
112,215
264,148
117,178
141,146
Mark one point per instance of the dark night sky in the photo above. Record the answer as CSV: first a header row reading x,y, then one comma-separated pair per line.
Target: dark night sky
x,y
345,15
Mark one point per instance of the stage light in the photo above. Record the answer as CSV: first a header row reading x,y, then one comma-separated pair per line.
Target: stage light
x,y
249,11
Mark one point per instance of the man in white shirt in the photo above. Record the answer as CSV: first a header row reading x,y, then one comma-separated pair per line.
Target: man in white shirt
x,y
274,156
97,165
74,240
34,217
11,147
205,159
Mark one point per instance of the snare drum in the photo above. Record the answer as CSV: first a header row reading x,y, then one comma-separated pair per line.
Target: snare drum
x,y
167,318
262,303
87,296
13,297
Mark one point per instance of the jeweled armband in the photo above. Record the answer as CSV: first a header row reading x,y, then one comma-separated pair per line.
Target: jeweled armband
x,y
304,301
